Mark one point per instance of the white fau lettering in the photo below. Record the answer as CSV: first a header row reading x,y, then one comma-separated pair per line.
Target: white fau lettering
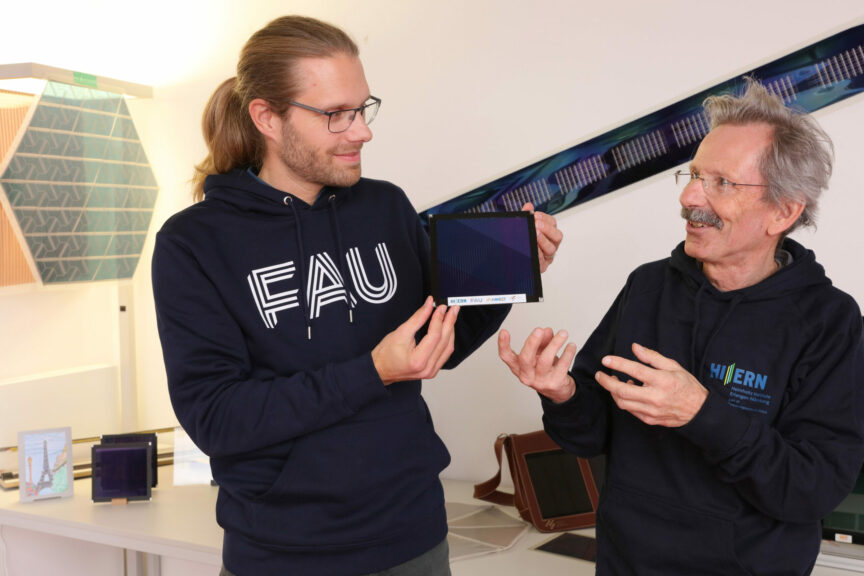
x,y
324,284
269,303
369,292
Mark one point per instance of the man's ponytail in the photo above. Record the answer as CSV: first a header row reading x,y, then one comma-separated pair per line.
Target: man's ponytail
x,y
231,137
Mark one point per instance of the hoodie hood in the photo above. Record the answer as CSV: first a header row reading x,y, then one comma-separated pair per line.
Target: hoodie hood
x,y
801,272
243,189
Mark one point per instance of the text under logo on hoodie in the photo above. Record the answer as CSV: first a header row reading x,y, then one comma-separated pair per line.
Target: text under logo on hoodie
x,y
273,290
748,389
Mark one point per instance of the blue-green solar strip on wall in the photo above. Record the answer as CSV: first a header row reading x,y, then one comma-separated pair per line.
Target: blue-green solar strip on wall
x,y
808,79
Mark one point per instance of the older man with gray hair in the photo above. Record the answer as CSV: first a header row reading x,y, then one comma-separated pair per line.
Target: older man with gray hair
x,y
724,385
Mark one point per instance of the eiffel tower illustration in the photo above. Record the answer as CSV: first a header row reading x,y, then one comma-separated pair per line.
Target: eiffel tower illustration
x,y
46,479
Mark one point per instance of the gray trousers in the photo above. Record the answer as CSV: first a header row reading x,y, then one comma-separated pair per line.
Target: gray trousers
x,y
435,562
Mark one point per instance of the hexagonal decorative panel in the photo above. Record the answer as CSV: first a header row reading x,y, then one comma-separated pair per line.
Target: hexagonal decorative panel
x,y
78,184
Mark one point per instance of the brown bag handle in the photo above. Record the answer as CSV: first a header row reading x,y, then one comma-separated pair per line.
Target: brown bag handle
x,y
488,490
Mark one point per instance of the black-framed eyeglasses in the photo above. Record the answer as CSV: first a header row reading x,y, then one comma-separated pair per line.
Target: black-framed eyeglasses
x,y
713,186
340,120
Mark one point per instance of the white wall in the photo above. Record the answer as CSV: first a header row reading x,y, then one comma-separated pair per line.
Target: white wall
x,y
56,327
471,91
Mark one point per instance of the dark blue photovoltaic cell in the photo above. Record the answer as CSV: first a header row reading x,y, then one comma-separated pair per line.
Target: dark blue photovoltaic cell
x,y
121,471
484,257
819,75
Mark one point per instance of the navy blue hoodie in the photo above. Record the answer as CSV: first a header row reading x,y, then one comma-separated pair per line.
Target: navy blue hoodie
x,y
268,309
779,442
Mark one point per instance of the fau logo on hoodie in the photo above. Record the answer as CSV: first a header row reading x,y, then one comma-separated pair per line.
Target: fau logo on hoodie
x,y
324,285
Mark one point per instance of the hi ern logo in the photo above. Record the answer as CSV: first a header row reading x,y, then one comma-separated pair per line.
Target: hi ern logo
x,y
747,389
732,375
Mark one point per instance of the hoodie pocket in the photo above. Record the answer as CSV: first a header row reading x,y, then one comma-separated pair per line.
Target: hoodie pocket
x,y
662,537
355,483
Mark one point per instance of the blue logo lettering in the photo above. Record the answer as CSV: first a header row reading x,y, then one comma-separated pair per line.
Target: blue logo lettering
x,y
761,381
748,392
731,374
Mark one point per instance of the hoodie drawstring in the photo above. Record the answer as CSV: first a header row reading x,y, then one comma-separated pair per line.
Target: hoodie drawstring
x,y
289,201
732,306
331,201
695,330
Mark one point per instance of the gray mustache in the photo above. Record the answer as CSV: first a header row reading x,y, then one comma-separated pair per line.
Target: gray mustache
x,y
702,217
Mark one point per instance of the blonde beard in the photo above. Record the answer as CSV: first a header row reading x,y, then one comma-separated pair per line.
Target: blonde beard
x,y
315,165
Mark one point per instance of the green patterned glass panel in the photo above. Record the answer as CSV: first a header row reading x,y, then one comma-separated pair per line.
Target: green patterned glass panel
x,y
95,123
55,118
111,268
80,186
124,128
125,244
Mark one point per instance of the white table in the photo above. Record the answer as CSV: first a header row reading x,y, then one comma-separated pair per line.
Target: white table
x,y
179,524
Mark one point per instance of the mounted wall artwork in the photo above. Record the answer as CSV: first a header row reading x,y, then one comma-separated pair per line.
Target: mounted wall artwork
x,y
76,189
808,79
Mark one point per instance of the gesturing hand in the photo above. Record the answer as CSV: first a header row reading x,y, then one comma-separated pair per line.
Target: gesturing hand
x,y
548,236
538,365
399,357
669,396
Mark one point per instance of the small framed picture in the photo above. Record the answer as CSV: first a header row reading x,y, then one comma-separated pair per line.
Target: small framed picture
x,y
45,464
